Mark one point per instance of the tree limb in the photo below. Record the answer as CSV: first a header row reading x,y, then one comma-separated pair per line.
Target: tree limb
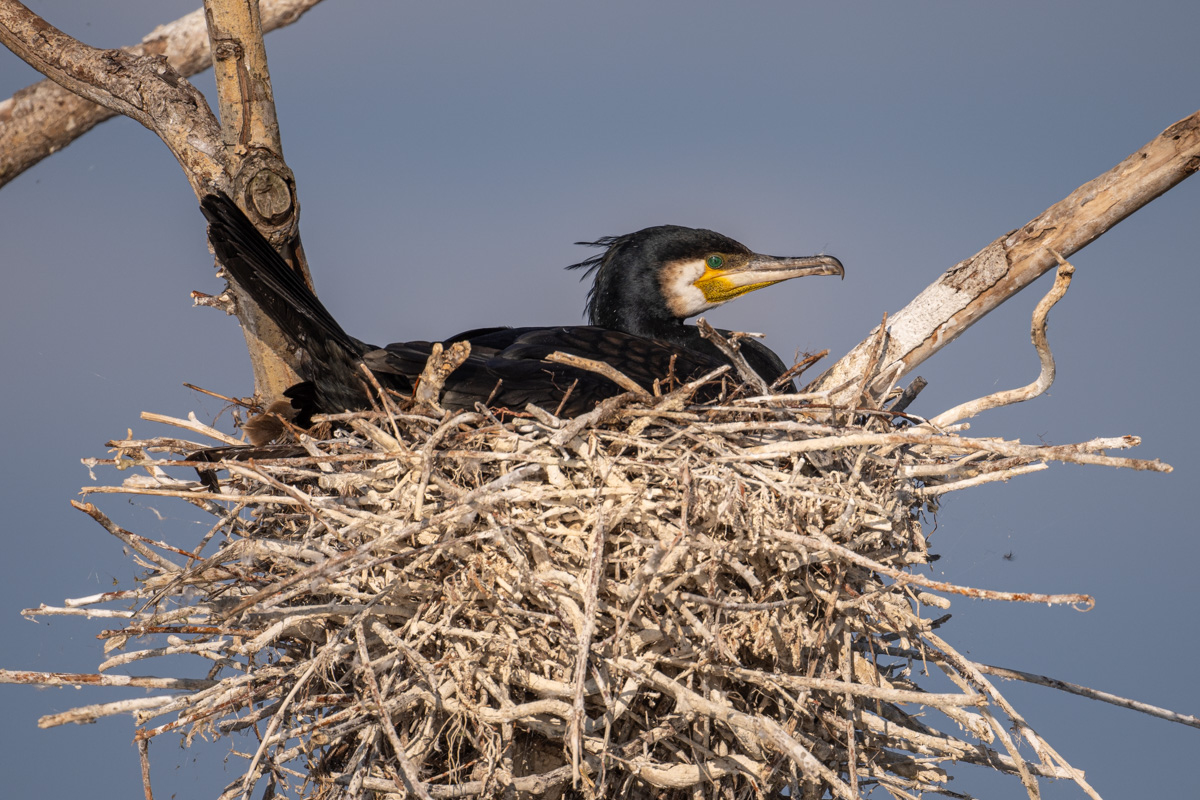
x,y
44,117
261,182
145,88
972,288
242,158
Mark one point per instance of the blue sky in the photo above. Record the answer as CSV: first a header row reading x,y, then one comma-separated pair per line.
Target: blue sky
x,y
447,156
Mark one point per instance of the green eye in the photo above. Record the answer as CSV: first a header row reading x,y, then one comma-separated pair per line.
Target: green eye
x,y
715,262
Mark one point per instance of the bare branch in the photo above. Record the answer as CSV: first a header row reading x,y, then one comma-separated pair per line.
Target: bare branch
x,y
600,368
44,117
1083,453
731,351
1037,333
143,87
972,288
93,679
243,159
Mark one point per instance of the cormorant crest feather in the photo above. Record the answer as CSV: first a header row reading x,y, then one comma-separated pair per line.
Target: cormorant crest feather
x,y
591,266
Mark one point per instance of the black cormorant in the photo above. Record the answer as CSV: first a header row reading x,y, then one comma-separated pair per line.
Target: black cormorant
x,y
646,284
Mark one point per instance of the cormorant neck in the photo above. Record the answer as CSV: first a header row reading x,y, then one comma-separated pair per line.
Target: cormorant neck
x,y
633,312
631,300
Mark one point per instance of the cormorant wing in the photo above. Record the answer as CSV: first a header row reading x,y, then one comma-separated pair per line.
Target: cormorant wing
x,y
508,367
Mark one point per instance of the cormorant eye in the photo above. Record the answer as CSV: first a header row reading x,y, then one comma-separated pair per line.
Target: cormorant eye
x,y
715,262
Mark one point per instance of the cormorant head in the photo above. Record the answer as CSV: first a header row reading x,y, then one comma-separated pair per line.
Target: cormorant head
x,y
649,281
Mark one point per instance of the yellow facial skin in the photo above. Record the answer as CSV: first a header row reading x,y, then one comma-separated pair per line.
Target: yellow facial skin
x,y
719,288
727,276
691,286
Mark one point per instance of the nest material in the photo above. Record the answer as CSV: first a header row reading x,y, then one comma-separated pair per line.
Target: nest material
x,y
657,599
654,600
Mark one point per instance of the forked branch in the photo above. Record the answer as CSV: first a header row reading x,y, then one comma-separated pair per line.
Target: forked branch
x,y
43,118
241,156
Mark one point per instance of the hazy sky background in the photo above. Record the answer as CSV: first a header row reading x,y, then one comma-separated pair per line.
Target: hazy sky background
x,y
449,153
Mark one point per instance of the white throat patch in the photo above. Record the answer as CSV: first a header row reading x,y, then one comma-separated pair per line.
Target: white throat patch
x,y
677,280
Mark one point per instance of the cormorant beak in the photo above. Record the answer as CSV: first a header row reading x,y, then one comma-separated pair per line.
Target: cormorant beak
x,y
755,271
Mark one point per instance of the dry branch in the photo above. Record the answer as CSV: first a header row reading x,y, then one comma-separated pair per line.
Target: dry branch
x,y
44,117
1045,378
972,288
240,156
731,351
145,88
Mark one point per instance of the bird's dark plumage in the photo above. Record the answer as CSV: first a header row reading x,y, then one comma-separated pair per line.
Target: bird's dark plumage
x,y
645,285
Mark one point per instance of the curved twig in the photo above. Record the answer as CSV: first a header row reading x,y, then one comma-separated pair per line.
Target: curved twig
x,y
1062,282
974,287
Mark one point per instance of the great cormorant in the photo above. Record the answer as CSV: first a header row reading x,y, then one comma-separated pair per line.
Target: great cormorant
x,y
646,284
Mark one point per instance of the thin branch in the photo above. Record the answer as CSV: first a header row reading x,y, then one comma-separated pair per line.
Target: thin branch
x,y
822,542
1069,453
600,368
1093,694
731,351
93,679
144,760
1045,378
978,480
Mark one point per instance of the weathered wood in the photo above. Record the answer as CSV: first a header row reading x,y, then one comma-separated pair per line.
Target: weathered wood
x,y
44,117
241,157
972,288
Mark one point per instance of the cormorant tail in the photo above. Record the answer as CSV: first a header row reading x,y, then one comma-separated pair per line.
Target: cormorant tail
x,y
274,286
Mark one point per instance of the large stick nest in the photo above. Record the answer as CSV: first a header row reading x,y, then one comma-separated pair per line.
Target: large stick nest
x,y
657,600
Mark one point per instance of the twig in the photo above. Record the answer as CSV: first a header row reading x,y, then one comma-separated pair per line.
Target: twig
x,y
821,542
909,394
978,480
144,760
131,540
1045,378
796,370
194,425
1075,454
600,368
91,679
731,351
1092,694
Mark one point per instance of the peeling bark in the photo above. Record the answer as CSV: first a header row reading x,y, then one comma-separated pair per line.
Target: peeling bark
x,y
972,288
